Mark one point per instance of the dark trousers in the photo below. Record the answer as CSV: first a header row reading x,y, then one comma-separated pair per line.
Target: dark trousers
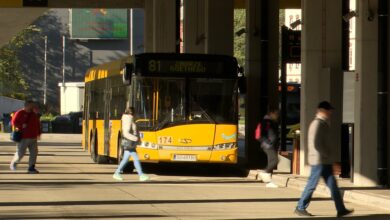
x,y
272,157
318,171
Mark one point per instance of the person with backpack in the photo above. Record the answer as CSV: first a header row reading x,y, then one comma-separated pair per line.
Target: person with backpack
x,y
267,133
129,142
27,122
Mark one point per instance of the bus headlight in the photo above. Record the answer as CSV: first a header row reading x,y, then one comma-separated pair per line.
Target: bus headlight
x,y
225,146
149,145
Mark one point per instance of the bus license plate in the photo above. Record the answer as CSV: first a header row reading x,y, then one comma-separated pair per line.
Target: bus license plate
x,y
181,157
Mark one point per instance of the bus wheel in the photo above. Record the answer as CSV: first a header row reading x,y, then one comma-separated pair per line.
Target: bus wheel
x,y
94,148
100,159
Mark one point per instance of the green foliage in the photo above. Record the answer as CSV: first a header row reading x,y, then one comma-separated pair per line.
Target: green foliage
x,y
239,41
12,80
48,117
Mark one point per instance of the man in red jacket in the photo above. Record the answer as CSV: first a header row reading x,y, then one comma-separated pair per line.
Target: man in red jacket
x,y
27,121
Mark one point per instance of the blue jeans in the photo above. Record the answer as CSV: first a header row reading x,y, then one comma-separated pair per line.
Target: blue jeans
x,y
126,156
326,171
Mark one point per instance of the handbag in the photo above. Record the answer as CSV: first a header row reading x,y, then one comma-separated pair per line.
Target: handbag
x,y
128,144
16,136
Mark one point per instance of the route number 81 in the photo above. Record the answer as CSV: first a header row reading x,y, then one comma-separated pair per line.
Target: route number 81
x,y
154,66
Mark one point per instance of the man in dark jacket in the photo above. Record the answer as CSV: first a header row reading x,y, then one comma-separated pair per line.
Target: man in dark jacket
x,y
321,159
27,121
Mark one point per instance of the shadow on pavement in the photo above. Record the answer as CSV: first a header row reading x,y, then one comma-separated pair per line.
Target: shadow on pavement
x,y
53,144
62,183
44,163
147,202
362,217
363,188
25,217
200,170
47,155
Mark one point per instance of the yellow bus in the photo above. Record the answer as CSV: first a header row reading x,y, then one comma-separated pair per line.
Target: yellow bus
x,y
185,104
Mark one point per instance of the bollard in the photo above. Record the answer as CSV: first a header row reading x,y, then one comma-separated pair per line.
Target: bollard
x,y
296,154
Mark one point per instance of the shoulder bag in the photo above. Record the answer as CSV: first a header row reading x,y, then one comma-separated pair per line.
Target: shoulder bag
x,y
16,135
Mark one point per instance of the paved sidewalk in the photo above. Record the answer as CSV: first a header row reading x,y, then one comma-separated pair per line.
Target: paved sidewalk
x,y
48,138
368,196
71,186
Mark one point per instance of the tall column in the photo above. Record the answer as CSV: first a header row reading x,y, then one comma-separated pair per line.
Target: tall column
x,y
208,26
219,27
194,26
388,109
160,26
261,70
321,68
366,102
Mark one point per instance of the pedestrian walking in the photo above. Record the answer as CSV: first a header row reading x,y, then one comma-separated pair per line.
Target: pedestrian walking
x,y
321,160
27,121
269,142
129,141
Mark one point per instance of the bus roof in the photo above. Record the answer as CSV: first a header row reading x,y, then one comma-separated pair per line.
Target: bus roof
x,y
107,69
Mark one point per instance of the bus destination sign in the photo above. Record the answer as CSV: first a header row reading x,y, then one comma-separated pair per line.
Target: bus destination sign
x,y
178,66
189,64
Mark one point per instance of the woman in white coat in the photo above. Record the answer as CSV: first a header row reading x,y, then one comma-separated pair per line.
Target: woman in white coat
x,y
129,132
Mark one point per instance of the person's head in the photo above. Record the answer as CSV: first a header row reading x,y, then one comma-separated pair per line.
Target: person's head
x,y
325,109
129,111
274,114
29,105
167,102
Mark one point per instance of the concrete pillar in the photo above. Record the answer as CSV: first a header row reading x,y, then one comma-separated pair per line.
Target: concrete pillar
x,y
160,26
194,26
219,27
137,18
365,152
208,26
388,108
321,68
261,69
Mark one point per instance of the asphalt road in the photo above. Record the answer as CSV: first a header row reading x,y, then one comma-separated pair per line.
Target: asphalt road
x,y
70,186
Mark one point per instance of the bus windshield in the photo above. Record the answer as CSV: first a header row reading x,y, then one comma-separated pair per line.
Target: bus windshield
x,y
213,100
164,102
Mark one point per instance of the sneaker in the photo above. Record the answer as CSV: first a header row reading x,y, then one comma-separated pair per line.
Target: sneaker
x,y
265,177
117,176
12,166
271,185
143,178
345,213
32,170
302,212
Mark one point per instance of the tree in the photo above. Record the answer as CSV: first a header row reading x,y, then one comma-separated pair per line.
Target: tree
x,y
239,41
12,79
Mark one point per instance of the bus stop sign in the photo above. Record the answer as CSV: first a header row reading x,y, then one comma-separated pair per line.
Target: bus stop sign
x,y
291,45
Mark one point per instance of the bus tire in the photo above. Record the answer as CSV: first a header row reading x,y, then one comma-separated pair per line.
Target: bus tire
x,y
93,147
99,159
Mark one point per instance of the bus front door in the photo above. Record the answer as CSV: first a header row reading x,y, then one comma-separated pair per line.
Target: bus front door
x,y
87,106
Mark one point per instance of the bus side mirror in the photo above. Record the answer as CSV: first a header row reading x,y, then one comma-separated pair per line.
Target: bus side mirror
x,y
127,71
242,84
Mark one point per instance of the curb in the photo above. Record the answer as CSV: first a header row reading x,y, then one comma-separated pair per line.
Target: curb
x,y
354,196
